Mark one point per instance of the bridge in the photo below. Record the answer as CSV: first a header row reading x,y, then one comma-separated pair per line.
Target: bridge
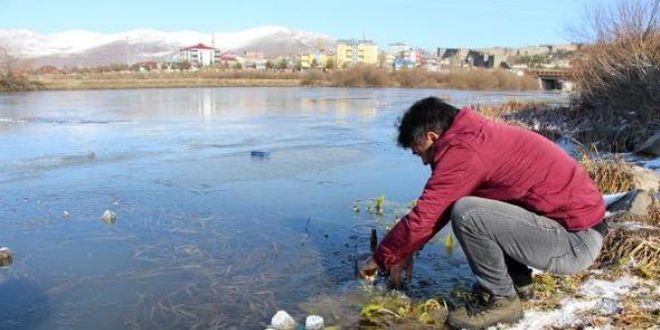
x,y
554,79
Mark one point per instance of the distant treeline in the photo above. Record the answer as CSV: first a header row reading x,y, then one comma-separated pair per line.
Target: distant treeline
x,y
465,79
17,84
357,76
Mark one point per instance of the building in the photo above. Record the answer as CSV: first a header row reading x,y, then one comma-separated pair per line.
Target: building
x,y
255,60
317,60
199,55
351,52
465,57
398,47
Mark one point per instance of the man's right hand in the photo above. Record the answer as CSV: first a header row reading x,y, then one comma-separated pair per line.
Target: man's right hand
x,y
369,271
405,265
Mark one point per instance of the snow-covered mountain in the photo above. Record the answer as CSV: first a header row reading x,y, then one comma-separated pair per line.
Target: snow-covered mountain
x,y
86,48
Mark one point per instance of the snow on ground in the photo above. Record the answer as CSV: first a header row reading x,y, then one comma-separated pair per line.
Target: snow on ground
x,y
596,297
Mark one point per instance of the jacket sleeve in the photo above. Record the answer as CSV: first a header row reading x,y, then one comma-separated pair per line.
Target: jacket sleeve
x,y
458,172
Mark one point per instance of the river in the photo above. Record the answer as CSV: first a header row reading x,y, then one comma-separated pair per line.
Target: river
x,y
205,233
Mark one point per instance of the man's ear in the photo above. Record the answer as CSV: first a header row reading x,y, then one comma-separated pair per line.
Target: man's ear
x,y
432,136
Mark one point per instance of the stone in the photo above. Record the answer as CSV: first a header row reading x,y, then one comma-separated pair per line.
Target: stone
x,y
283,321
639,206
314,322
109,217
645,179
6,257
636,203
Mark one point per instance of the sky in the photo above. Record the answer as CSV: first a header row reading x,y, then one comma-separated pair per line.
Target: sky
x,y
421,23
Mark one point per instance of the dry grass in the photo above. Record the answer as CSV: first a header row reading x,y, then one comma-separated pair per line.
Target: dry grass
x,y
652,219
635,316
509,107
127,83
640,246
19,84
610,175
618,73
357,76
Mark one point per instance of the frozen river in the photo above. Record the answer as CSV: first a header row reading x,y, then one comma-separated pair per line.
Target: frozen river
x,y
205,234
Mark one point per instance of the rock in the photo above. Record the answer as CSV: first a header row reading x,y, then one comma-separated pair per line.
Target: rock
x,y
651,147
314,322
109,217
639,206
283,321
636,203
6,257
645,179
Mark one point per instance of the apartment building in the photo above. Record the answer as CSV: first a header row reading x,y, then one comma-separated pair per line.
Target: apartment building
x,y
351,52
199,55
317,60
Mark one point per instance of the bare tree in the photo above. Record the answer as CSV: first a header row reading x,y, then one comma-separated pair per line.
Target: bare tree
x,y
618,70
8,64
13,73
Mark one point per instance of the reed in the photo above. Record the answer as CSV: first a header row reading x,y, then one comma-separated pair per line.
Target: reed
x,y
610,175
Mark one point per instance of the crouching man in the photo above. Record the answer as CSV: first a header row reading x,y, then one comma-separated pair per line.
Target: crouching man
x,y
514,198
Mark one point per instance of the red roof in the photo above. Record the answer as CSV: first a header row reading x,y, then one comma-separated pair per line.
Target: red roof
x,y
198,46
228,57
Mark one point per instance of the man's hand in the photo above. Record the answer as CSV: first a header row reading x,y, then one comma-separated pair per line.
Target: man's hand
x,y
405,265
369,270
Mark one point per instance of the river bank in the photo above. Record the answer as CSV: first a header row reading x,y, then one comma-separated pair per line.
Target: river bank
x,y
361,76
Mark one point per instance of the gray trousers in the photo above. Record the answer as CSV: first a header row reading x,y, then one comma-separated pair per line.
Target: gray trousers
x,y
496,235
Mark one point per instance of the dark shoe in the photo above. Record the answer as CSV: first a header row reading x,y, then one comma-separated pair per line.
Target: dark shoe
x,y
524,292
521,275
480,314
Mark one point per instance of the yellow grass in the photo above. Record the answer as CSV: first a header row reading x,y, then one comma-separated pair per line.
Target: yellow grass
x,y
610,175
128,83
358,76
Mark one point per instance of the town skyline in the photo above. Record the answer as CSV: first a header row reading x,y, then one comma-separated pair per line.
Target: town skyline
x,y
424,24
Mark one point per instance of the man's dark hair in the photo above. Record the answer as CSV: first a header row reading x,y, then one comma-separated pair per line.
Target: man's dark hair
x,y
430,114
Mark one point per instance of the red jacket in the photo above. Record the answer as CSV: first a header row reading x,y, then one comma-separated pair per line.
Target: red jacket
x,y
479,157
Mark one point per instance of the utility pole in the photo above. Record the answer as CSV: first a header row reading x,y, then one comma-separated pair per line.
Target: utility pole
x,y
128,50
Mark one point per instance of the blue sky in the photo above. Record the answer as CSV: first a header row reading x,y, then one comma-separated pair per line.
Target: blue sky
x,y
421,23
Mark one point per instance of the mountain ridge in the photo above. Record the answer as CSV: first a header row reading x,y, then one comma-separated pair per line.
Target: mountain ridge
x,y
88,48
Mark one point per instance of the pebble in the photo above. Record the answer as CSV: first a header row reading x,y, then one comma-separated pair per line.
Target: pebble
x,y
109,217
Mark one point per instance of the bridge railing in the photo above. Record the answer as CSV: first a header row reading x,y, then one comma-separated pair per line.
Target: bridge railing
x,y
556,73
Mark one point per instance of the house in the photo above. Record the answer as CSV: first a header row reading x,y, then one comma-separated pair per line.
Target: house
x,y
199,55
255,60
398,47
317,60
350,52
479,59
407,59
50,69
149,65
229,60
464,57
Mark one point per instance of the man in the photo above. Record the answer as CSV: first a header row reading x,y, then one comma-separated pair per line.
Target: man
x,y
514,198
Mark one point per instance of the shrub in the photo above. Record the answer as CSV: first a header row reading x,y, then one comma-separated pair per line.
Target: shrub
x,y
618,74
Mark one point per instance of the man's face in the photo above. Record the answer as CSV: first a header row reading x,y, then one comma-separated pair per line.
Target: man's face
x,y
424,149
